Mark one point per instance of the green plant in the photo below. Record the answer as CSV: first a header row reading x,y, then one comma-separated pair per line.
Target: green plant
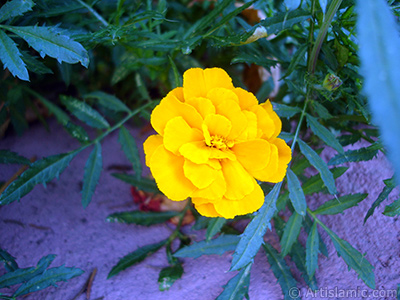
x,y
151,44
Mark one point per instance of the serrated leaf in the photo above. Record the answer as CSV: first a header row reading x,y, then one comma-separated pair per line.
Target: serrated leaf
x,y
15,8
77,132
169,275
108,101
290,233
319,164
298,255
393,209
85,113
337,206
362,154
237,287
296,194
128,145
214,226
252,237
285,111
48,278
143,183
50,41
93,168
324,134
297,58
382,196
60,115
135,257
217,246
141,217
41,171
281,272
8,260
322,246
10,56
9,157
379,44
353,259
34,65
315,183
312,248
23,275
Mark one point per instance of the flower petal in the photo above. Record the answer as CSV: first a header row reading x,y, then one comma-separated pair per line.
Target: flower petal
x,y
150,146
251,130
214,191
178,93
217,125
203,105
177,133
167,170
254,155
250,203
275,118
246,99
201,175
285,155
197,152
239,182
267,173
264,121
226,104
170,107
206,209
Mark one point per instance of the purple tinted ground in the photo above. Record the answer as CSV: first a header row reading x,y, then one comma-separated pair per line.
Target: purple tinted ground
x,y
52,221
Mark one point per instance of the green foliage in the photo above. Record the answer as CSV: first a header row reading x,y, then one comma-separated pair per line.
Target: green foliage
x,y
135,257
362,154
338,205
312,251
141,218
296,193
93,168
214,226
33,279
143,183
169,275
238,286
389,186
9,157
130,149
290,233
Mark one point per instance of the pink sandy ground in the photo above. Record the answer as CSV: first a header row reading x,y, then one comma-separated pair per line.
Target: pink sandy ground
x,y
52,221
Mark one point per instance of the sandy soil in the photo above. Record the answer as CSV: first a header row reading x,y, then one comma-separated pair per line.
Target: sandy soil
x,y
52,221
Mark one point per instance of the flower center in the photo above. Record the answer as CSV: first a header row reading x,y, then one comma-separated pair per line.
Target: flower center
x,y
219,142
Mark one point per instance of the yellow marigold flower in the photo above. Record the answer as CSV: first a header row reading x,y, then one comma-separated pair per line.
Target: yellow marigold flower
x,y
213,142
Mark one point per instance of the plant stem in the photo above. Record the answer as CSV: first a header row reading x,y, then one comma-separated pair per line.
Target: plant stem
x,y
322,34
179,225
98,17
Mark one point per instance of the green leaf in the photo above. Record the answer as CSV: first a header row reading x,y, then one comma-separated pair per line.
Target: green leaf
x,y
135,257
108,101
218,246
382,196
379,43
60,115
93,168
312,248
15,8
362,154
319,164
131,150
298,255
48,278
143,183
322,246
393,209
34,65
284,20
290,233
84,112
315,184
297,58
285,111
23,275
10,56
50,41
296,193
338,205
9,157
141,217
324,134
214,226
77,132
41,171
237,287
169,275
281,272
353,259
9,261
253,235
